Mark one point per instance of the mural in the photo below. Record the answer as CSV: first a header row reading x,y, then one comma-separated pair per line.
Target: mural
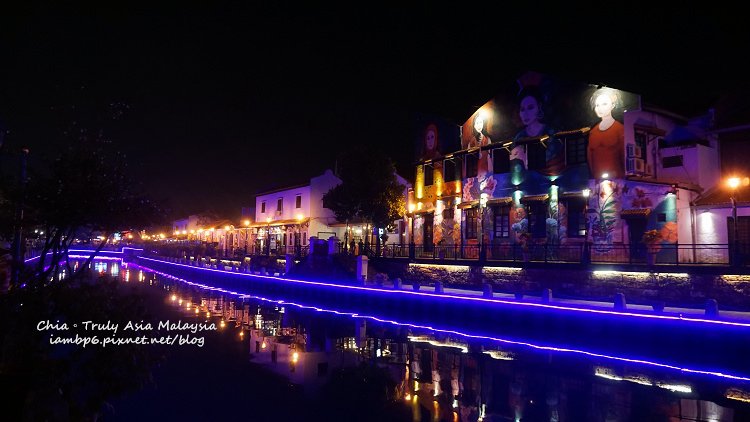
x,y
540,135
434,137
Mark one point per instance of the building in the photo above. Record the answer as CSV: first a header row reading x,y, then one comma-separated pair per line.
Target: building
x,y
562,171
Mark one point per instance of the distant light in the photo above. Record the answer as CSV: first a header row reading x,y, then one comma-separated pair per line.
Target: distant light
x,y
605,175
246,222
295,357
226,228
586,192
299,217
733,182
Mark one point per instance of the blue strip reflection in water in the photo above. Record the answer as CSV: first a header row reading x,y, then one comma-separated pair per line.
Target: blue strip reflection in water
x,y
448,331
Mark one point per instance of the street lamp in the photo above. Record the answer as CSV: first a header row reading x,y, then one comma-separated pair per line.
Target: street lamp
x,y
246,223
734,183
411,234
268,235
482,205
298,240
586,193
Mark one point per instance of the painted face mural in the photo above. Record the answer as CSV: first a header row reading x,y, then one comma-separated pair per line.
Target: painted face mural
x,y
529,110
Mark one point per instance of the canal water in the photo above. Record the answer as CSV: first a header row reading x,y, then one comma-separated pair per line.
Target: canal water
x,y
245,357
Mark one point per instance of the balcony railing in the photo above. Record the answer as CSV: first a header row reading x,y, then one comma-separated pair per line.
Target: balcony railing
x,y
667,254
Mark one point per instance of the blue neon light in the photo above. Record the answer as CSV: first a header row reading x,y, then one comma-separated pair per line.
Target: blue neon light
x,y
618,314
458,333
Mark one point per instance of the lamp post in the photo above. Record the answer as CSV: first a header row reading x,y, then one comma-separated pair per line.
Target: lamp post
x,y
246,223
412,246
482,205
734,183
586,257
268,235
298,239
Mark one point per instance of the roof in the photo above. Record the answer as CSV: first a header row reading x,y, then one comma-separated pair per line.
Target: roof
x,y
635,212
721,196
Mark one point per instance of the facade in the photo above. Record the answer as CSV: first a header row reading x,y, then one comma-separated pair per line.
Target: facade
x,y
287,218
562,169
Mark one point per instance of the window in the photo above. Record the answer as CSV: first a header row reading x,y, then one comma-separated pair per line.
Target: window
x,y
428,175
576,217
502,221
448,214
641,140
537,156
451,170
575,151
472,164
280,205
298,201
471,223
263,207
500,161
673,161
537,215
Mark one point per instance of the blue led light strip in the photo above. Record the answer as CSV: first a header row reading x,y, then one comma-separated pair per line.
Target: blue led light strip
x,y
472,299
458,333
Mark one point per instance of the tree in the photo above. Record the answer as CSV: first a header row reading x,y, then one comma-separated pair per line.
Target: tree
x,y
369,189
84,191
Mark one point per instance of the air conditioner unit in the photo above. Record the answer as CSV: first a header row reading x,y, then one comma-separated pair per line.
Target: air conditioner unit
x,y
649,169
634,166
634,151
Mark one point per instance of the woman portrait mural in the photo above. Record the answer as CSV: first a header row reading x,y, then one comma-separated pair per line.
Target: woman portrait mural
x,y
606,148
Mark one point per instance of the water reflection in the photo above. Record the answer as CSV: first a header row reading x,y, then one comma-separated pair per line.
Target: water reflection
x,y
447,375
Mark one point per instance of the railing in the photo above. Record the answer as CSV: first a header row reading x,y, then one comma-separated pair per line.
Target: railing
x,y
667,254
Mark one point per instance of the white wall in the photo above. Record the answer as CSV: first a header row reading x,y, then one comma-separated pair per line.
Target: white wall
x,y
321,217
289,211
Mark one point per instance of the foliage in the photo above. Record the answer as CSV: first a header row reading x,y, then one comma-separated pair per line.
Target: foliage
x,y
369,189
83,192
67,382
651,237
603,222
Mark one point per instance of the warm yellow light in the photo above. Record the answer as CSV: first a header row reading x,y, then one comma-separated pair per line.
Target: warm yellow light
x,y
208,314
176,232
184,232
407,397
734,182
226,228
295,357
200,230
197,311
299,217
411,207
174,297
222,324
187,305
162,235
211,229
246,222
268,219
263,345
192,231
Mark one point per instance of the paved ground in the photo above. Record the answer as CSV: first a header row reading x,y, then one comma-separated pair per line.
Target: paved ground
x,y
723,315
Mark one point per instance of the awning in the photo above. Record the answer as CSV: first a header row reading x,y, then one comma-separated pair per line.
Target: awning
x,y
276,223
534,198
467,204
500,201
635,213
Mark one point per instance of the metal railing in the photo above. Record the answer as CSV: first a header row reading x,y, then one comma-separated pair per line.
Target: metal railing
x,y
638,253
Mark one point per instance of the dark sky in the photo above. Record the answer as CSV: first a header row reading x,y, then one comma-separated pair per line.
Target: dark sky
x,y
233,98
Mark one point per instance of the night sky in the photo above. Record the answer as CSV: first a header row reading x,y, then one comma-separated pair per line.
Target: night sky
x,y
224,101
